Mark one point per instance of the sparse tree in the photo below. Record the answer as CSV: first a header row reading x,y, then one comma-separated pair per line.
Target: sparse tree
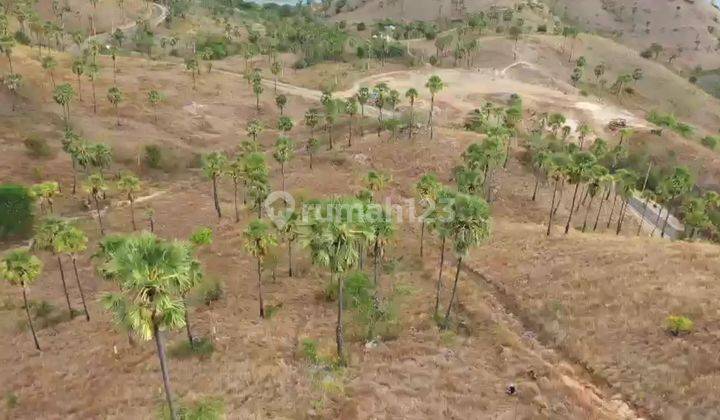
x,y
154,99
412,95
281,102
45,238
258,240
72,241
95,186
434,85
284,152
214,164
20,268
115,97
351,109
63,95
129,185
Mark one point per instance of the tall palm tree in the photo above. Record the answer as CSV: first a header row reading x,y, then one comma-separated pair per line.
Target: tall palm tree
x,y
63,94
129,185
49,64
427,189
469,227
333,243
434,85
152,273
258,240
363,96
578,172
78,69
627,182
284,152
412,95
213,165
234,170
254,129
72,241
93,73
289,230
154,98
382,229
20,268
95,186
599,176
351,109
281,103
115,97
376,181
440,222
557,170
312,147
45,239
312,119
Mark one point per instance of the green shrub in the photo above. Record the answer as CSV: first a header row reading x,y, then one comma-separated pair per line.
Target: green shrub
x,y
361,26
677,325
208,408
671,122
37,147
710,142
210,290
309,351
11,400
153,156
22,38
16,211
201,347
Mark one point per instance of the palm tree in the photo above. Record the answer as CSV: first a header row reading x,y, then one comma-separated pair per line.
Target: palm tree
x,y
434,85
255,172
599,177
312,119
276,69
375,181
154,99
257,90
12,82
332,109
63,95
235,172
578,172
78,69
427,188
254,129
281,102
312,147
7,43
72,241
557,167
382,229
469,227
540,162
440,219
351,109
115,96
393,99
627,181
284,152
49,64
412,95
213,165
46,192
99,156
20,268
152,273
191,65
258,239
675,186
45,238
333,243
363,96
129,185
285,124
95,185
289,229
583,131
92,71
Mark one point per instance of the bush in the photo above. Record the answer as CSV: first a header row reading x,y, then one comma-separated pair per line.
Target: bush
x,y
16,211
710,142
202,348
677,325
361,26
210,290
300,64
37,147
203,409
22,38
153,156
542,29
309,351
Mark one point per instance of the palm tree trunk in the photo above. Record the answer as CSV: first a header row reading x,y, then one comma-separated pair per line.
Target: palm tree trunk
x,y
559,201
52,79
100,223
572,209
552,208
376,251
282,173
311,160
132,213
612,212
339,332
412,120
454,291
422,237
235,201
597,218
188,330
665,223
439,281
330,138
535,190
657,222
79,285
215,197
160,344
27,312
362,118
350,132
117,115
259,284
290,265
94,98
64,285
74,168
430,118
587,213
79,89
642,217
621,217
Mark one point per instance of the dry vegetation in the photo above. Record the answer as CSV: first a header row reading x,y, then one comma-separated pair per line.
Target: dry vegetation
x,y
575,322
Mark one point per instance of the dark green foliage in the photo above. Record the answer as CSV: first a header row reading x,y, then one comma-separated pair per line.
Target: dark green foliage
x,y
22,38
210,290
16,211
37,147
710,142
219,46
361,26
201,347
153,156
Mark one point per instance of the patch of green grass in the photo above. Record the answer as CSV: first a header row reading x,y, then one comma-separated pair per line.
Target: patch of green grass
x,y
272,310
11,400
677,325
207,408
201,348
671,122
211,290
